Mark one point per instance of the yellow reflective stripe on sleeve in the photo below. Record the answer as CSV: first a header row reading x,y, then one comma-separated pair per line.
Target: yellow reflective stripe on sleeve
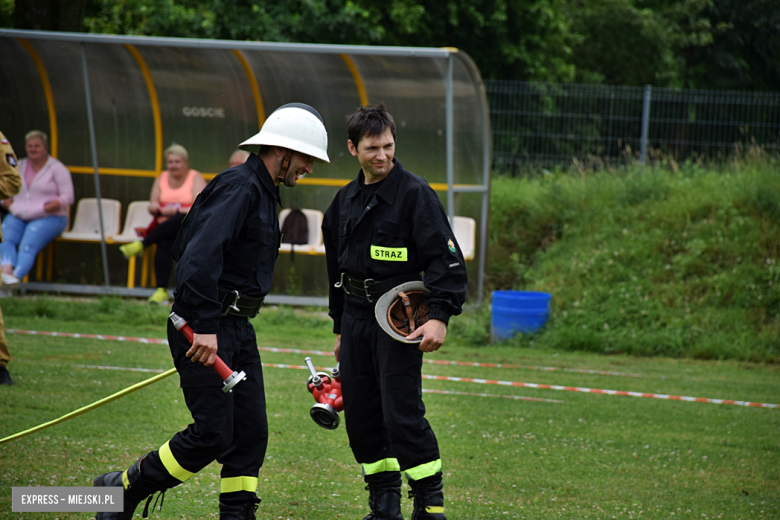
x,y
125,481
389,254
380,466
172,465
424,470
233,484
434,509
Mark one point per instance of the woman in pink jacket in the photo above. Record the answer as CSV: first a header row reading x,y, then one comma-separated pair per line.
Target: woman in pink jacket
x,y
39,213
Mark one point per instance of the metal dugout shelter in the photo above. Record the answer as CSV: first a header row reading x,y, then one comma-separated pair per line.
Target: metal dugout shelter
x,y
112,104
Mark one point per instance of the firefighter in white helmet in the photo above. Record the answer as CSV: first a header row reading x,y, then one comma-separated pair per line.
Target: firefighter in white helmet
x,y
226,251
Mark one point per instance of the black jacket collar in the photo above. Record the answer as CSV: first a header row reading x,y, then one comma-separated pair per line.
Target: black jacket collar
x,y
389,186
258,166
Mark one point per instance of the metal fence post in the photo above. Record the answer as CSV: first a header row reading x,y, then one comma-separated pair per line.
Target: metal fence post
x,y
93,148
550,123
450,146
645,122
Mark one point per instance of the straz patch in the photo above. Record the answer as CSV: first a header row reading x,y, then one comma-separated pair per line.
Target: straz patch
x,y
389,254
10,159
451,246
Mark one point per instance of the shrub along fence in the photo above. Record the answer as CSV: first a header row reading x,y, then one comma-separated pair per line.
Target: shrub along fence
x,y
553,124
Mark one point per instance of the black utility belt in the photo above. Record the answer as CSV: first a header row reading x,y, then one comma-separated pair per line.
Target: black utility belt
x,y
236,304
370,289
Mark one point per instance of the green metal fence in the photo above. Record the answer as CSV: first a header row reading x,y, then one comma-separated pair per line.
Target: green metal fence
x,y
549,124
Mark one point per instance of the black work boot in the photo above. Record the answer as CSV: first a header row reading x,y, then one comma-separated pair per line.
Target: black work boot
x,y
137,489
428,498
384,496
238,510
5,377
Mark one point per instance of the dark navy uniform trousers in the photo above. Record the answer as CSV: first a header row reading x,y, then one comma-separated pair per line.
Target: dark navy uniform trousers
x,y
385,418
230,428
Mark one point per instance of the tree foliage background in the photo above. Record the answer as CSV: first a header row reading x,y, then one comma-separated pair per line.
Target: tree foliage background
x,y
713,44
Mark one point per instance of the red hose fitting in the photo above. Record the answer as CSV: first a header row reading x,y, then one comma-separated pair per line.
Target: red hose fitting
x,y
326,390
230,378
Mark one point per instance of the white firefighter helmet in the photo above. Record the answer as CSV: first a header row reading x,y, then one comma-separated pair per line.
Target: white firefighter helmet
x,y
402,309
295,126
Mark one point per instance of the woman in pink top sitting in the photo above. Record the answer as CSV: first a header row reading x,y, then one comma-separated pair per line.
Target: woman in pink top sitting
x,y
173,193
39,213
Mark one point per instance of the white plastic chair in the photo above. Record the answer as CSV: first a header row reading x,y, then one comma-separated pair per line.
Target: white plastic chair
x,y
138,216
314,219
465,230
86,225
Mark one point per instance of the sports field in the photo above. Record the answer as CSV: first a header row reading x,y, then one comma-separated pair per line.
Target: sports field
x,y
515,452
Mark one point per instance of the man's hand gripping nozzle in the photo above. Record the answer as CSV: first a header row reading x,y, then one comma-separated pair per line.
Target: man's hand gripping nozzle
x,y
229,377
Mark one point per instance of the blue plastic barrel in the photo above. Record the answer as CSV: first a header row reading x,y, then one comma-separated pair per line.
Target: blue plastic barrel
x,y
518,311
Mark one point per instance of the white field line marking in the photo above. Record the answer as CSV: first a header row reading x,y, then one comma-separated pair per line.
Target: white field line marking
x,y
156,341
516,397
298,367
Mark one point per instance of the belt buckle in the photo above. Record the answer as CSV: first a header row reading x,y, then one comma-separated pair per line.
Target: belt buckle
x,y
341,285
233,306
365,288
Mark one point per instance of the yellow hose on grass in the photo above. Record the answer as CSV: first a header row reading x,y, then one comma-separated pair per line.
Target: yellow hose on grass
x,y
96,404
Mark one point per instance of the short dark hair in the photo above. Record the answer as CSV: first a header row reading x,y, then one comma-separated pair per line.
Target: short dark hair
x,y
369,121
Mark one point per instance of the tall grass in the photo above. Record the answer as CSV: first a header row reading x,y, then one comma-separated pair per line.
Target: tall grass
x,y
645,261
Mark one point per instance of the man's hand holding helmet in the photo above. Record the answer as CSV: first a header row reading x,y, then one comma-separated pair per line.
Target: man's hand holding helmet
x,y
433,333
402,312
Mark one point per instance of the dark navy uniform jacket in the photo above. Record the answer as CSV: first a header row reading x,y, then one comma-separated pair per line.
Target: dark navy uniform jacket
x,y
230,238
402,229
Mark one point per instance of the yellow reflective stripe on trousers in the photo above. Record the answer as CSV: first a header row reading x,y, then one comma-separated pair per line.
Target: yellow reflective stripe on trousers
x,y
380,466
424,470
434,509
172,465
233,484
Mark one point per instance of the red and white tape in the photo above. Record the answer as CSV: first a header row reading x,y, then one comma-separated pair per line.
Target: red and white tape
x,y
467,363
152,341
534,385
600,391
325,353
438,378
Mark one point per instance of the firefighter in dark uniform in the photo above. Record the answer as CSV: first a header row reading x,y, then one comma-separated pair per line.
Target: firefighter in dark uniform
x,y
385,228
226,250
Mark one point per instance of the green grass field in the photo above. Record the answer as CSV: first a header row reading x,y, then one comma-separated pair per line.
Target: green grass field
x,y
589,456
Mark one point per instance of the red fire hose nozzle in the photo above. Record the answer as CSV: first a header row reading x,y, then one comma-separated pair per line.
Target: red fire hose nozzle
x,y
229,377
326,389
